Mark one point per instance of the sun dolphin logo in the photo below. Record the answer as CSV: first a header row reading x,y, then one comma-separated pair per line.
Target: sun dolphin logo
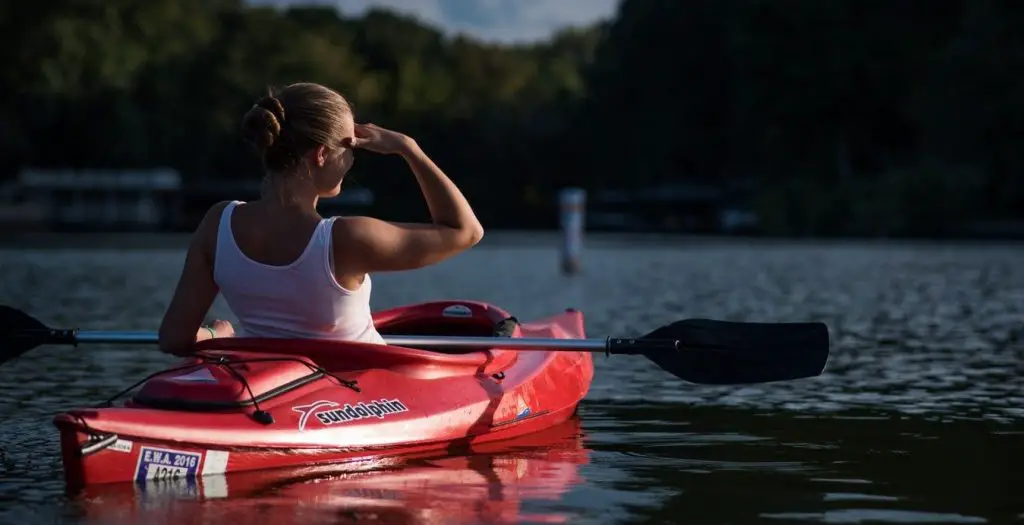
x,y
307,410
336,413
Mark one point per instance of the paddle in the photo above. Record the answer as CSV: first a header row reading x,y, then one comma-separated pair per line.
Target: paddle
x,y
701,351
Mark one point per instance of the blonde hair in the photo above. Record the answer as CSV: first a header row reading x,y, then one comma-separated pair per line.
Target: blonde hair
x,y
285,126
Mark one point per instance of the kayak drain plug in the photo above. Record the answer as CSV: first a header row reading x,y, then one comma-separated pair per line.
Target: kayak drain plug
x,y
262,416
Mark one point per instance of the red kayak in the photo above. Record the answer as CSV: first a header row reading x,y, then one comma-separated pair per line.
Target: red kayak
x,y
491,484
247,404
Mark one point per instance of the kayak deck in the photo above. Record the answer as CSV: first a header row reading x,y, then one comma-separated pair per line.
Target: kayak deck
x,y
247,404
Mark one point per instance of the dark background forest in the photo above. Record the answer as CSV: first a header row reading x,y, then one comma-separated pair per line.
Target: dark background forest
x,y
841,117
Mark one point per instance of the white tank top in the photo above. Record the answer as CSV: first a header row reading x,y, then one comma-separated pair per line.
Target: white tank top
x,y
298,300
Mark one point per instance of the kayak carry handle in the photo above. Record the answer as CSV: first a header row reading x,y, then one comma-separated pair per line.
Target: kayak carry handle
x,y
95,445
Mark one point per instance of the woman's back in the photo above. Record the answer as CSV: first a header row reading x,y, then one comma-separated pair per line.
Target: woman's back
x,y
279,286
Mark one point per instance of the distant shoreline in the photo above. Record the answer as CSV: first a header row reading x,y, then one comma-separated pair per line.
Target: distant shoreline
x,y
12,241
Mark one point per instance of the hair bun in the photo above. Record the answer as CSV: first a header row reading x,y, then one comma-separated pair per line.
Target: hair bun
x,y
261,125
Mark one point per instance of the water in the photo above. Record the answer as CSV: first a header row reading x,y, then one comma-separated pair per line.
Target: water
x,y
919,418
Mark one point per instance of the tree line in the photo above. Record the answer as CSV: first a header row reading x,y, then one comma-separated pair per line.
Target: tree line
x,y
849,117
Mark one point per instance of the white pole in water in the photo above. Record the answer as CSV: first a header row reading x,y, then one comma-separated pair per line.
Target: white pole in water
x,y
572,203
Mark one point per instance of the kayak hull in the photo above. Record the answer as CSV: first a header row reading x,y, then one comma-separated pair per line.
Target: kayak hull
x,y
246,404
493,480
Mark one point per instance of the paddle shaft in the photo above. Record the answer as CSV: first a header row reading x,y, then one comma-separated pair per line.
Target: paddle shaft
x,y
610,345
717,352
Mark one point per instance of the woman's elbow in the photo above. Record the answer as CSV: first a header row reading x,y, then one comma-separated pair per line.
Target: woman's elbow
x,y
468,236
173,344
475,235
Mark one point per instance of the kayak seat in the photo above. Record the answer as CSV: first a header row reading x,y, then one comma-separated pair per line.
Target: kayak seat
x,y
454,318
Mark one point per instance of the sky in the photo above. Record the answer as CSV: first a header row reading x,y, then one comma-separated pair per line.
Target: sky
x,y
504,21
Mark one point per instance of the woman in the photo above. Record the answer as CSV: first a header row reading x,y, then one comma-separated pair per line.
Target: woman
x,y
284,270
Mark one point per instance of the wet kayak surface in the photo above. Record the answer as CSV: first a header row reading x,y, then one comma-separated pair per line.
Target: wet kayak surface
x,y
918,418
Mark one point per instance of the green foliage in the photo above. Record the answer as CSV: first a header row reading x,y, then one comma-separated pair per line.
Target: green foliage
x,y
853,117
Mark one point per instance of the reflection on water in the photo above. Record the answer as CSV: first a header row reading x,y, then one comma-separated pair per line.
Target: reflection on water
x,y
919,418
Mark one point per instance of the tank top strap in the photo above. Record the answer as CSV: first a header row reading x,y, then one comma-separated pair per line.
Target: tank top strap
x,y
224,227
225,239
323,237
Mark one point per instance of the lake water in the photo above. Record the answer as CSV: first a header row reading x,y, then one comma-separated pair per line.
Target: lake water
x,y
918,419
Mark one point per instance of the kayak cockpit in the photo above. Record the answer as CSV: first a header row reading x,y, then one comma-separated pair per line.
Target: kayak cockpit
x,y
232,372
440,318
344,356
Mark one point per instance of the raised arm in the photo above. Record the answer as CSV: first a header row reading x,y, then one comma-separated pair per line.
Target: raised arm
x,y
366,244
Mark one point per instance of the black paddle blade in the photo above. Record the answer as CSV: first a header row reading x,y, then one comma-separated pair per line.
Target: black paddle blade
x,y
724,352
19,333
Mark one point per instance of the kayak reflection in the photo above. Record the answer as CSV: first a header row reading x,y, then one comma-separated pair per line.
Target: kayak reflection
x,y
490,484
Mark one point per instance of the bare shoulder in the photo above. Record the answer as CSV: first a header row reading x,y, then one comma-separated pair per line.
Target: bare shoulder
x,y
214,212
348,239
356,229
211,219
205,237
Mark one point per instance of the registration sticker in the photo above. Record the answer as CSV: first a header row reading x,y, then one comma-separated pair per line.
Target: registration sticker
x,y
166,464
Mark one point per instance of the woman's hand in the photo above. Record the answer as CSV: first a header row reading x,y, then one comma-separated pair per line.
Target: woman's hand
x,y
220,328
379,140
223,328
